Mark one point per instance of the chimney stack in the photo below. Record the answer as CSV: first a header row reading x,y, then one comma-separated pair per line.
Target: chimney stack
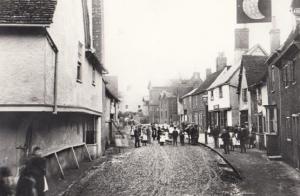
x,y
97,28
196,76
241,39
274,36
221,61
208,72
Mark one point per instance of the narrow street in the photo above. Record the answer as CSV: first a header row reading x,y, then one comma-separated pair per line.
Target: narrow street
x,y
160,170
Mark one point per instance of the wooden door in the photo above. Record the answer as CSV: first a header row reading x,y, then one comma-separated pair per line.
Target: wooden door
x,y
244,117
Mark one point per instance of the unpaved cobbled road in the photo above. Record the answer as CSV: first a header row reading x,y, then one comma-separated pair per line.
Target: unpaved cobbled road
x,y
160,170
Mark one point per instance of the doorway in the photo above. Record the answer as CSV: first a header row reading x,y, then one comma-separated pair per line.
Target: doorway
x,y
243,117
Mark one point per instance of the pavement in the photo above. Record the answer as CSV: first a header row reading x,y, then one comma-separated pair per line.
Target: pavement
x,y
262,176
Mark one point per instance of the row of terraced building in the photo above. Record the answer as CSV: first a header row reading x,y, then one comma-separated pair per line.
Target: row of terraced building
x,y
259,89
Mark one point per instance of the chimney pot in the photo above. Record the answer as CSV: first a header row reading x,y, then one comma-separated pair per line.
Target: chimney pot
x,y
208,72
221,61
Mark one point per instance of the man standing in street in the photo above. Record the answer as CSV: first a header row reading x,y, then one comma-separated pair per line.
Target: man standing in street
x,y
175,136
137,135
243,138
215,134
226,138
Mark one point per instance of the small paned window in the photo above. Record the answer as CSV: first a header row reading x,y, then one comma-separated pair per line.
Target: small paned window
x,y
220,92
79,63
212,95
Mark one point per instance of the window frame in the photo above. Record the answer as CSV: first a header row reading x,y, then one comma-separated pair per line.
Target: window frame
x,y
273,78
79,63
220,92
259,96
245,95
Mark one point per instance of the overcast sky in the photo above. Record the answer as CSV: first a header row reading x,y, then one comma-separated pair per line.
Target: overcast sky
x,y
162,39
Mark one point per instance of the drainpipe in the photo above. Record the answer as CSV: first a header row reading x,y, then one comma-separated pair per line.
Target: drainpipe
x,y
55,84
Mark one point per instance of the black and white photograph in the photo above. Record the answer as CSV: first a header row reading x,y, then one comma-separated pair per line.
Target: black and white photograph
x,y
149,97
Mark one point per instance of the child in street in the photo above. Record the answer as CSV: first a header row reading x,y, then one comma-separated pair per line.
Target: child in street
x,y
6,182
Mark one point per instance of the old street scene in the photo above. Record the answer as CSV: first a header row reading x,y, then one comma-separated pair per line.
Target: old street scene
x,y
149,97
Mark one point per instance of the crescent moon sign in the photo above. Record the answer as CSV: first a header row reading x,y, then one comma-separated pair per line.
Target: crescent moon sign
x,y
251,9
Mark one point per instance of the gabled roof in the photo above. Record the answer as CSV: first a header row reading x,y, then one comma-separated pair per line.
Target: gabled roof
x,y
189,93
255,69
209,80
226,76
29,12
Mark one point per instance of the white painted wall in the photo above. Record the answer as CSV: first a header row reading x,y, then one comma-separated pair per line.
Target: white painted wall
x,y
26,67
27,63
67,30
222,102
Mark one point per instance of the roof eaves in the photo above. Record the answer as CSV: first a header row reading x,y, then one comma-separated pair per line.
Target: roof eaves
x,y
91,56
289,52
111,94
24,25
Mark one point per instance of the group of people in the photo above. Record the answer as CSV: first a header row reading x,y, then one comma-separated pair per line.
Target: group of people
x,y
161,133
228,135
31,180
192,132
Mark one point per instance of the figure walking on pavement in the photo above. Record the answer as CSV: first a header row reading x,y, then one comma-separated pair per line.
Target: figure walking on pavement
x,y
243,138
226,139
175,136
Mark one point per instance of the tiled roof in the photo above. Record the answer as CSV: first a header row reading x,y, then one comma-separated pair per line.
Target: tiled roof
x,y
27,11
189,93
209,80
255,68
227,76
